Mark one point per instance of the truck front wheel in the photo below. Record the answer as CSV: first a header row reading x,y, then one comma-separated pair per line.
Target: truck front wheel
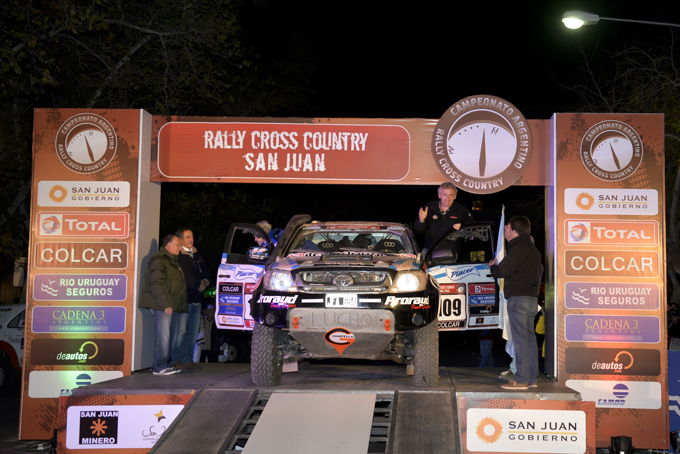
x,y
426,356
266,362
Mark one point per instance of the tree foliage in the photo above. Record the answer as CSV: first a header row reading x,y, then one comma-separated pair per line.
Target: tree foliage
x,y
169,57
643,77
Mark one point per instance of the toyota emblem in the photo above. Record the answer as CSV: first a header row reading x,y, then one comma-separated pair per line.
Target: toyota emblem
x,y
343,280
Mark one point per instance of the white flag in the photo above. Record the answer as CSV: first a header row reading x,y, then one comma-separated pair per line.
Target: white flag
x,y
504,321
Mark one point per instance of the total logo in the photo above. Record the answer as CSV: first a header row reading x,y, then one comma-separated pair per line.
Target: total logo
x,y
339,338
83,224
628,233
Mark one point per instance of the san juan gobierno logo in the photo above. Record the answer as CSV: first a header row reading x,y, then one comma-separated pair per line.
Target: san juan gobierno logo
x,y
482,144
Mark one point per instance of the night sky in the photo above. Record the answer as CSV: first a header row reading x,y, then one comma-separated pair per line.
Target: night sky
x,y
377,59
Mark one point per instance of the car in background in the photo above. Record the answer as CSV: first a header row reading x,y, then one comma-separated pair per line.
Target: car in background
x,y
345,290
12,327
459,262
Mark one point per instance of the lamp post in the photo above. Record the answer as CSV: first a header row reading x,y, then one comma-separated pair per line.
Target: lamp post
x,y
576,19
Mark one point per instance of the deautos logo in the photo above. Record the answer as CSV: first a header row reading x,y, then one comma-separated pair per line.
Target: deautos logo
x,y
72,352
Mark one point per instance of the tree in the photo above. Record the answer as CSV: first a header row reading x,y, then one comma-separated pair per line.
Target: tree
x,y
169,57
643,77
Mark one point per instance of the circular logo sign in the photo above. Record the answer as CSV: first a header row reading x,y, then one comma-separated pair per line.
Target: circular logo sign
x,y
482,144
611,150
86,143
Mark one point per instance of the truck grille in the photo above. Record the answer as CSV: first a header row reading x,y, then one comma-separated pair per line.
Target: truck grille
x,y
345,280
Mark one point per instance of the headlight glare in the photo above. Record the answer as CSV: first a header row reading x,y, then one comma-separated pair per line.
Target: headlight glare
x,y
280,281
408,282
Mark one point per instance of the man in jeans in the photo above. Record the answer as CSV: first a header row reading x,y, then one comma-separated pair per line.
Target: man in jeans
x,y
197,279
164,292
522,270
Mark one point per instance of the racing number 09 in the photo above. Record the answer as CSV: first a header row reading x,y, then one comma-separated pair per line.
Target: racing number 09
x,y
448,307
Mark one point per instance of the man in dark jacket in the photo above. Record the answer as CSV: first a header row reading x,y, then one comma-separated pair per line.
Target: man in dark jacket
x,y
440,216
164,292
197,279
522,270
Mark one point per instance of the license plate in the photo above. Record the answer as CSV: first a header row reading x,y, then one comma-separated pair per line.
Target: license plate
x,y
341,300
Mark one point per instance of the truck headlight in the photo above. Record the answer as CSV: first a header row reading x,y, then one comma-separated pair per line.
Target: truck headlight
x,y
280,281
407,282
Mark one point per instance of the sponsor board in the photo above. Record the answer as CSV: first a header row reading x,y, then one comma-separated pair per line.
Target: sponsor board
x,y
519,430
78,319
616,263
612,361
643,395
118,426
612,328
77,352
633,202
82,224
52,384
611,233
610,295
80,287
76,255
110,194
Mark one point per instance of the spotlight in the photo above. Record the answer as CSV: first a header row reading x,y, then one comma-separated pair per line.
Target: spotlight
x,y
621,445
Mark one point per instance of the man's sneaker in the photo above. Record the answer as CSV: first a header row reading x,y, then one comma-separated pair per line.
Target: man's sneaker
x,y
514,385
167,371
507,375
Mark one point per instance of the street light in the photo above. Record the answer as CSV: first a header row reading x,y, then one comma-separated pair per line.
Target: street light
x,y
576,19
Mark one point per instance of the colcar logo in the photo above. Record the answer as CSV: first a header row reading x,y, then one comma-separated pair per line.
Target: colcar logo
x,y
86,143
611,150
482,144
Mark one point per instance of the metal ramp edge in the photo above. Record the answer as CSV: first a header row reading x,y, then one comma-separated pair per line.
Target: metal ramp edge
x,y
207,423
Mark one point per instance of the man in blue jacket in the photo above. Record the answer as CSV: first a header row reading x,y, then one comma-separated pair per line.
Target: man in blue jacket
x,y
522,270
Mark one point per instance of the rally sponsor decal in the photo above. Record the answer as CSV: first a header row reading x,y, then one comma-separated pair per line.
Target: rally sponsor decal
x,y
247,274
518,430
231,320
278,300
78,319
79,255
612,328
611,233
633,202
82,224
118,426
77,352
52,384
612,361
644,395
483,294
339,338
80,287
611,263
416,302
86,143
611,295
458,273
611,150
109,194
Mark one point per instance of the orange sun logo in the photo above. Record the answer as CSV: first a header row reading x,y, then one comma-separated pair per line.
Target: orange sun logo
x,y
98,427
58,193
489,430
584,201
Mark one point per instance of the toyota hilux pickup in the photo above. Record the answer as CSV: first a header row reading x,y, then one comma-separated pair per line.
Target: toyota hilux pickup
x,y
345,290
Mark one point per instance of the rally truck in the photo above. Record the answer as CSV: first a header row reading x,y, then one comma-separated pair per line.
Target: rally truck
x,y
459,261
12,326
345,290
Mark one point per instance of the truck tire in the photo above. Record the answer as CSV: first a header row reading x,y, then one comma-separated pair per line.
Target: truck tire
x,y
426,356
266,363
8,376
